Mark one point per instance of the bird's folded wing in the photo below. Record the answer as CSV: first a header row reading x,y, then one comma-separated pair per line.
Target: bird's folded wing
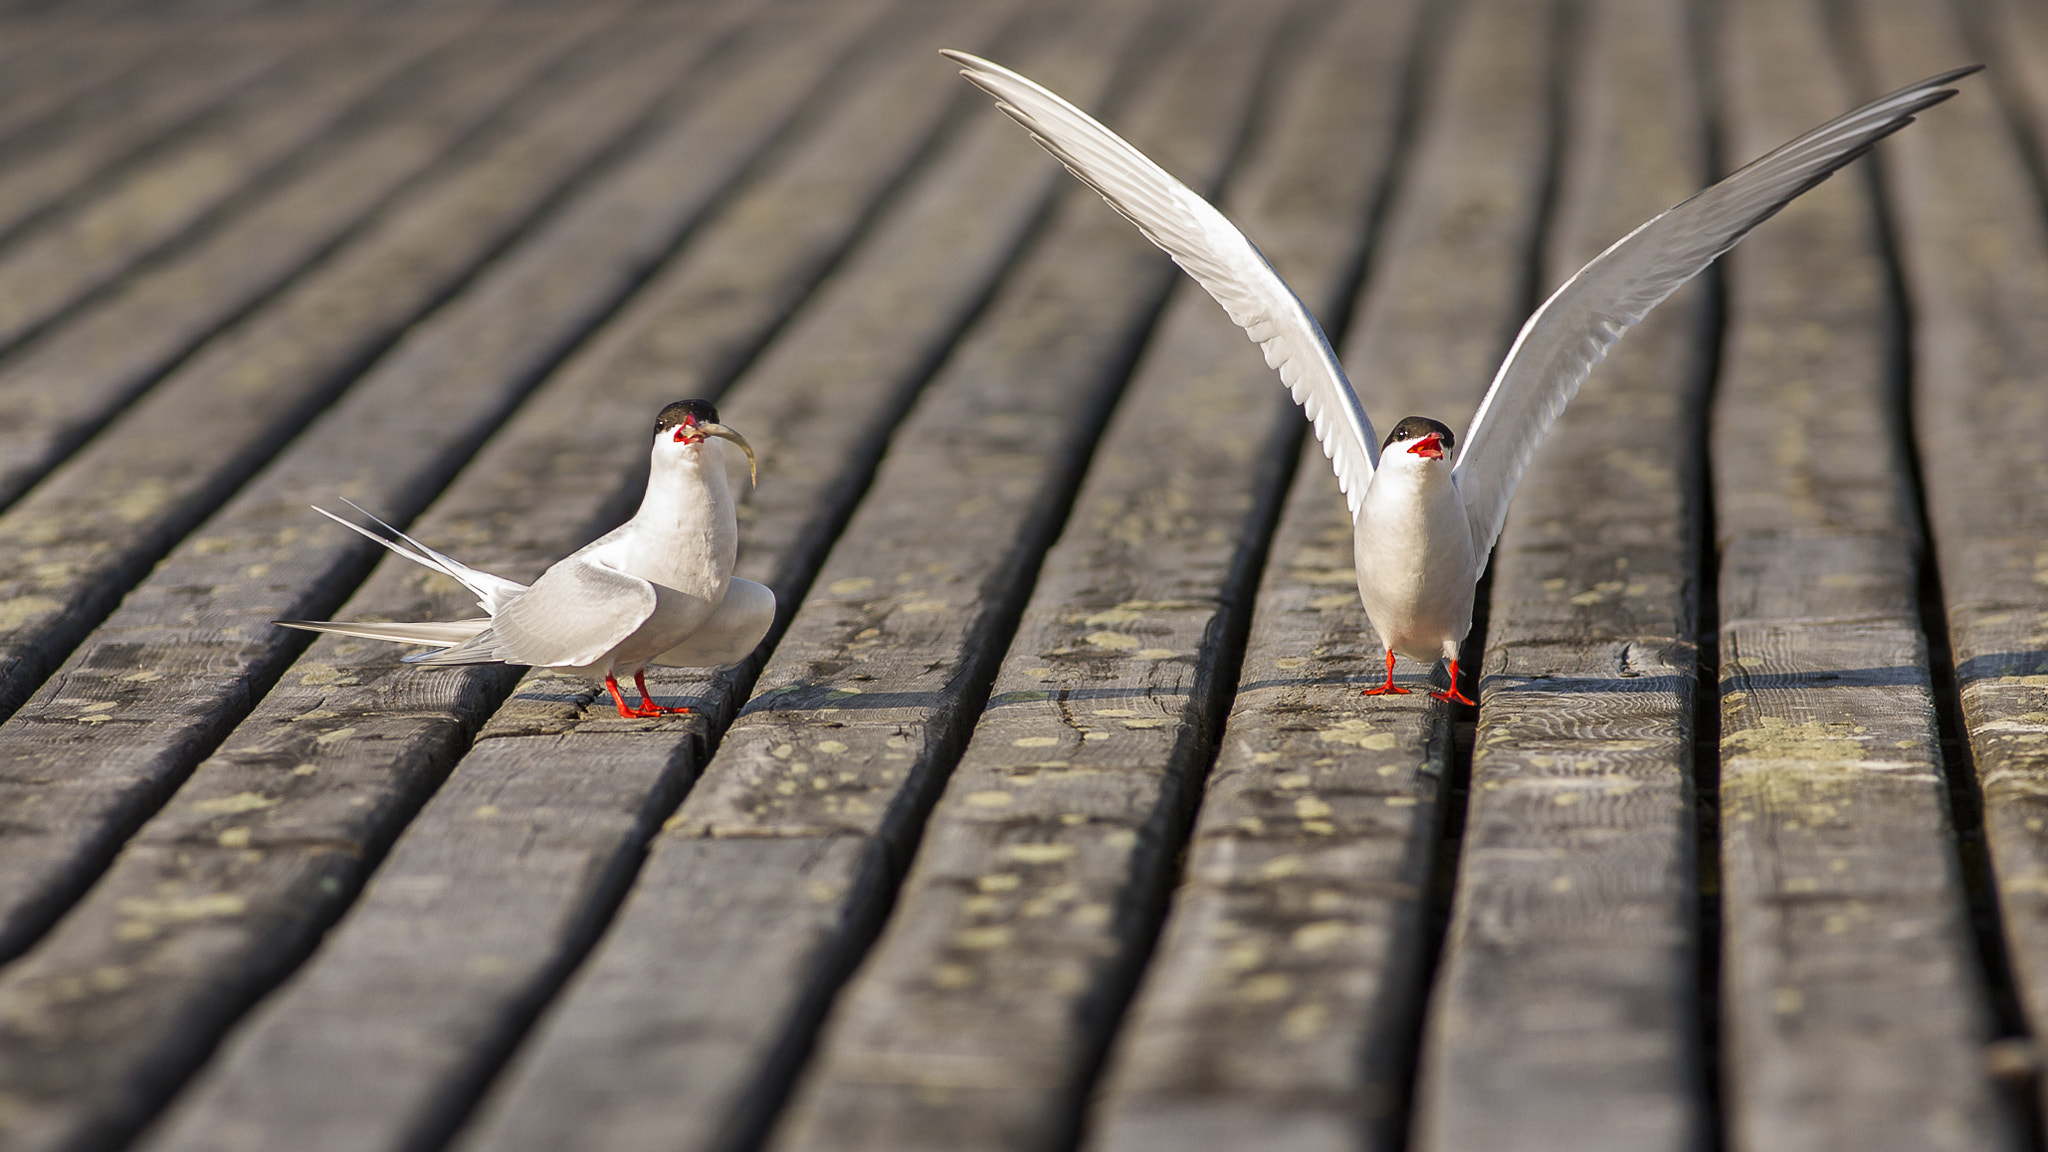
x,y
734,629
1573,330
576,612
1211,249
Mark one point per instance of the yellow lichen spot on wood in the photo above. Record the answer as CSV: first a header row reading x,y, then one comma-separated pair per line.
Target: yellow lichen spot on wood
x,y
867,634
988,799
1565,799
176,908
1294,780
952,977
1787,1001
1321,934
1311,808
1319,827
140,500
981,905
2035,823
1304,1022
1150,722
1561,884
1266,988
983,939
1290,662
339,734
149,677
1115,712
1838,865
999,882
1803,884
232,805
831,747
824,891
1114,641
1039,853
1035,741
786,788
1281,867
304,769
1265,757
485,811
22,609
850,586
234,838
924,606
1155,653
1586,599
1401,801
1089,916
1330,603
1111,616
2034,885
1243,957
1834,924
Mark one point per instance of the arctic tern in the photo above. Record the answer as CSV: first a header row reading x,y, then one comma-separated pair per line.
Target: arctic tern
x,y
657,589
1426,511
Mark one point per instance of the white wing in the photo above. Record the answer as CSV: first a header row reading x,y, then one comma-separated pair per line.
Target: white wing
x,y
1573,330
575,613
1212,250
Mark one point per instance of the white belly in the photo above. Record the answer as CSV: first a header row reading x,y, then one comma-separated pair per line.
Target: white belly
x,y
1413,551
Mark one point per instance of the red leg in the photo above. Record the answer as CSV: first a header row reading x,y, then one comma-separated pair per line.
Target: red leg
x,y
1389,687
1452,694
612,683
647,705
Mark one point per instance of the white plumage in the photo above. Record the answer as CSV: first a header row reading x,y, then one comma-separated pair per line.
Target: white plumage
x,y
656,590
1425,519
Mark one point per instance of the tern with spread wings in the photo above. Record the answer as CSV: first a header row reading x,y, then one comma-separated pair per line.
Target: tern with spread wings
x,y
657,589
1426,508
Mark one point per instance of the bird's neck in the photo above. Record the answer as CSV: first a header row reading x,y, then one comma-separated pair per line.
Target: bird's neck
x,y
688,533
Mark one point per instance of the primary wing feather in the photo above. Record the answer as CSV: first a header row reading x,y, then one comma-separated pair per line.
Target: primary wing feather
x,y
1211,249
1560,344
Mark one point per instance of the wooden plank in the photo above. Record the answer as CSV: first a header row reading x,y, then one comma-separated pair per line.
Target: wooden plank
x,y
452,380
86,1066
1564,1014
1280,1006
979,1019
1853,1009
59,389
145,206
64,561
751,903
100,128
427,983
1974,253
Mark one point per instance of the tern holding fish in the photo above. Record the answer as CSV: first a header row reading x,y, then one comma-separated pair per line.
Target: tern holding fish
x,y
1427,508
656,590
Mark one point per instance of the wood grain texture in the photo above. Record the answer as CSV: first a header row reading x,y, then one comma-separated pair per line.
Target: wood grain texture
x,y
1279,1007
60,388
1853,1008
1563,1016
64,560
707,1048
1975,256
979,1018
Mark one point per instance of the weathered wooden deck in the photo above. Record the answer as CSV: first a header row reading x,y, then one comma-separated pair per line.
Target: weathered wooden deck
x,y
1051,814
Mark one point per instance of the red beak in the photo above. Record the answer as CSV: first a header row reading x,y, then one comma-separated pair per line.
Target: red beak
x,y
1431,446
686,428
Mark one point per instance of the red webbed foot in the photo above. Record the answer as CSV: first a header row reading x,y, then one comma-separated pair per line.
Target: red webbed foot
x,y
1451,694
1389,688
647,704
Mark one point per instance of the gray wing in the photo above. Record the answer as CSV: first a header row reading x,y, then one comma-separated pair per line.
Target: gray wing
x,y
1211,249
731,633
1572,332
575,613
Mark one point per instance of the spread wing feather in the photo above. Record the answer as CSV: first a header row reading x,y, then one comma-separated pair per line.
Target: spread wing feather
x,y
1560,344
1211,249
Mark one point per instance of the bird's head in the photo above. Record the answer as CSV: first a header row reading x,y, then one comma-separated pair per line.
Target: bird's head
x,y
1421,437
684,425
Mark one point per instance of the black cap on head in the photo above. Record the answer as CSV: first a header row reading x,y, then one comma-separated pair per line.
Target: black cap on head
x,y
1415,428
674,413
